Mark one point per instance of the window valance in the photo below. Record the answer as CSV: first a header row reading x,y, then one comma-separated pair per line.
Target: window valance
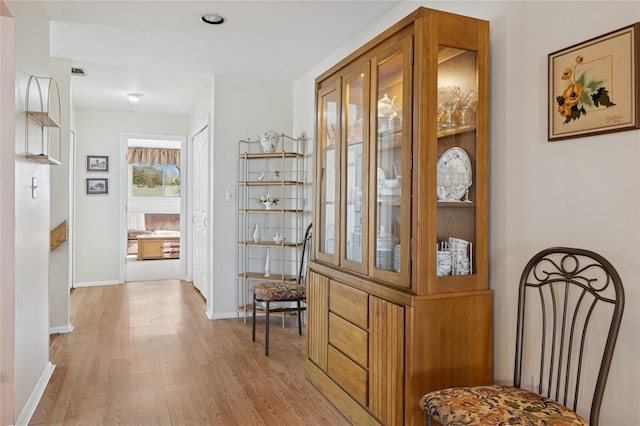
x,y
164,156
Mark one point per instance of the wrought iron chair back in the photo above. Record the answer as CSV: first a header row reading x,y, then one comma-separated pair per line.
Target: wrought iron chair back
x,y
573,300
574,291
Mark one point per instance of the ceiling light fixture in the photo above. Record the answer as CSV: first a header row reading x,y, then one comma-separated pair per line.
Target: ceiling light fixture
x,y
134,98
212,19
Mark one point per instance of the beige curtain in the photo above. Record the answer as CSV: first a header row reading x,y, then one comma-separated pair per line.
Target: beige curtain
x,y
164,156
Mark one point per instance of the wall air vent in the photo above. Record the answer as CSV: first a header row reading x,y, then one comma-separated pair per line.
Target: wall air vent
x,y
79,72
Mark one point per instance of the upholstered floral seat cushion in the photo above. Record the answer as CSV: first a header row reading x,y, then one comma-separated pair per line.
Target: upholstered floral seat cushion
x,y
279,291
496,405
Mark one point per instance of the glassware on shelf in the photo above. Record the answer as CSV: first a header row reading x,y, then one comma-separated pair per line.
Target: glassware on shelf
x,y
441,113
449,96
466,100
453,186
444,186
466,183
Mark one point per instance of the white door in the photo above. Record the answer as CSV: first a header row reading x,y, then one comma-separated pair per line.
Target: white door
x,y
199,160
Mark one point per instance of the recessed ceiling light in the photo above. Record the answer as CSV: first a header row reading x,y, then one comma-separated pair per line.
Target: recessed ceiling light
x,y
134,98
212,19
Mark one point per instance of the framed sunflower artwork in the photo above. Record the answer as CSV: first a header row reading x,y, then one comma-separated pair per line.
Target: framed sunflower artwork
x,y
594,86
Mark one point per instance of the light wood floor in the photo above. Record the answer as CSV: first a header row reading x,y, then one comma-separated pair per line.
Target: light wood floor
x,y
145,354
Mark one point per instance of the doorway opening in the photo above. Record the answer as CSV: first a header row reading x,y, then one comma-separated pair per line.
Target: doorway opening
x,y
153,206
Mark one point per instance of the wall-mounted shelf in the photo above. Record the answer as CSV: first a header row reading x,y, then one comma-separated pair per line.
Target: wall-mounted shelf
x,y
43,110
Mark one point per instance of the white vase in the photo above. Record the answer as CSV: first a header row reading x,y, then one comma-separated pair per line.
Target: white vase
x,y
267,205
256,233
269,140
267,267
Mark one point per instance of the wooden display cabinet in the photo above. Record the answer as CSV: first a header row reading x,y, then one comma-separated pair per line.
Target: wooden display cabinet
x,y
402,179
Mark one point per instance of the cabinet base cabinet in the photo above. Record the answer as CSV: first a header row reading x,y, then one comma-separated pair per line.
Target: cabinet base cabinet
x,y
414,344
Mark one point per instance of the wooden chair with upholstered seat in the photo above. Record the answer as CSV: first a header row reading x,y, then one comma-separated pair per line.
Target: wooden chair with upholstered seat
x,y
575,299
282,292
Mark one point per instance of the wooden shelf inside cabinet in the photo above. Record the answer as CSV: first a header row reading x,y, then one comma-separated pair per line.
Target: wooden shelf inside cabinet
x,y
259,276
457,204
269,182
458,129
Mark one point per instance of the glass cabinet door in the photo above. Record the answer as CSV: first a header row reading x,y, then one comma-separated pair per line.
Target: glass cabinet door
x,y
390,153
456,170
328,186
354,168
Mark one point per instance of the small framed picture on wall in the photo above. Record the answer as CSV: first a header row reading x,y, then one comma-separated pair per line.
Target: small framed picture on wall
x,y
97,163
97,186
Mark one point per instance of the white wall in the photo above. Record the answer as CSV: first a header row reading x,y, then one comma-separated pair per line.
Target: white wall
x,y
243,109
582,193
7,214
97,229
32,367
60,273
562,193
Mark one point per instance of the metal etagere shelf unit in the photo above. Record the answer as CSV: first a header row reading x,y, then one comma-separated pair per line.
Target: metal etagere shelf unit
x,y
269,232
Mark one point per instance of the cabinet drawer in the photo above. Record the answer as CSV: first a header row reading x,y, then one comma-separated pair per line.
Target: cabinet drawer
x,y
348,338
349,375
349,303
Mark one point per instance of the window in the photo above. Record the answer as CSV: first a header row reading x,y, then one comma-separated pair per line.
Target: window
x,y
155,180
154,171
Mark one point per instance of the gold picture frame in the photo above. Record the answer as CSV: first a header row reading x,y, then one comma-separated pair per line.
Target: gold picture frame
x,y
594,86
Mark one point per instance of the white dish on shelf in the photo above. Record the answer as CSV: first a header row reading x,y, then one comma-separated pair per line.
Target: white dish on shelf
x,y
454,174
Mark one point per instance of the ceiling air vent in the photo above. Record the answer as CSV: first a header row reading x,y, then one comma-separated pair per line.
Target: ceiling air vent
x,y
79,72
